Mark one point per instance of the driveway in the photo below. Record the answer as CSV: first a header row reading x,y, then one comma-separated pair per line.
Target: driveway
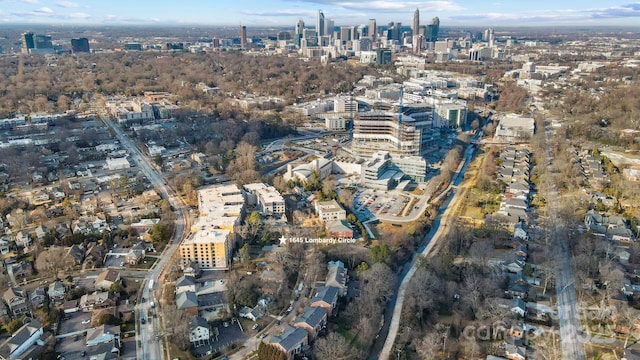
x,y
228,335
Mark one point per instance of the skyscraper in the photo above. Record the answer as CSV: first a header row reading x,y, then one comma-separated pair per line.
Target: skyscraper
x,y
299,32
243,36
372,29
80,45
329,26
320,24
415,25
432,30
27,42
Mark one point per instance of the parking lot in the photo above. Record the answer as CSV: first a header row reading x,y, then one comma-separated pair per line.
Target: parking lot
x,y
78,321
369,202
227,336
71,347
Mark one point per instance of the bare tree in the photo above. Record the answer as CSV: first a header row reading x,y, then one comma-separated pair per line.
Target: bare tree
x,y
334,346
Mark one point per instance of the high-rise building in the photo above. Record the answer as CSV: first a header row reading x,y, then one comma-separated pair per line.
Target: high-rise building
x,y
490,37
320,24
299,32
43,42
329,27
394,31
372,29
345,33
415,25
284,35
80,45
400,135
27,42
243,36
383,56
433,28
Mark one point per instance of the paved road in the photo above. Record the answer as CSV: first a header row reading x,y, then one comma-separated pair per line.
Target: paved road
x,y
389,331
568,319
147,345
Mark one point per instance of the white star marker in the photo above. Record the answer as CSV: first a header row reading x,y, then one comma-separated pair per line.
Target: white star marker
x,y
283,240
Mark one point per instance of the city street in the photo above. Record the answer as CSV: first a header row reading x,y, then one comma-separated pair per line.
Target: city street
x,y
148,347
568,319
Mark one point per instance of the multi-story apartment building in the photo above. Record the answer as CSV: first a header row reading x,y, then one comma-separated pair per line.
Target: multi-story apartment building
x,y
212,237
400,135
330,211
265,198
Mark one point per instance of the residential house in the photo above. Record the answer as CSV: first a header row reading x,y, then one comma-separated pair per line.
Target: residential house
x,y
107,279
144,225
185,283
103,334
199,330
518,307
187,301
339,229
337,277
515,352
517,291
520,232
74,256
97,300
291,341
5,246
134,256
212,302
104,351
16,301
313,319
70,306
4,311
37,297
56,291
252,314
192,269
23,239
611,227
93,256
21,270
21,340
326,297
41,231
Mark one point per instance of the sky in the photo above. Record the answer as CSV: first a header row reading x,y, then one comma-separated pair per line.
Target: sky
x,y
344,12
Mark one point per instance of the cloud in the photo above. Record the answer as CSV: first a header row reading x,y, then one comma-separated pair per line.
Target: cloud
x,y
628,10
43,10
286,12
67,4
390,6
559,15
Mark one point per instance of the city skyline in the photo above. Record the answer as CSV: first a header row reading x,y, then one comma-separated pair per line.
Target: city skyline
x,y
287,12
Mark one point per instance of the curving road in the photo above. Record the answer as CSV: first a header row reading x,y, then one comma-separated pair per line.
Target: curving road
x,y
383,346
148,335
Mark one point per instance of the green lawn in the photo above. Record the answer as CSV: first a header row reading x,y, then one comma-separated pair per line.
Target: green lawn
x,y
147,263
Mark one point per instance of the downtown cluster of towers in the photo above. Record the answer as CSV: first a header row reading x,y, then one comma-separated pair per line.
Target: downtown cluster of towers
x,y
325,32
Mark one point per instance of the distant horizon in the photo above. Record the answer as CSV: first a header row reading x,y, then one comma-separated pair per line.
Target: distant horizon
x,y
285,13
